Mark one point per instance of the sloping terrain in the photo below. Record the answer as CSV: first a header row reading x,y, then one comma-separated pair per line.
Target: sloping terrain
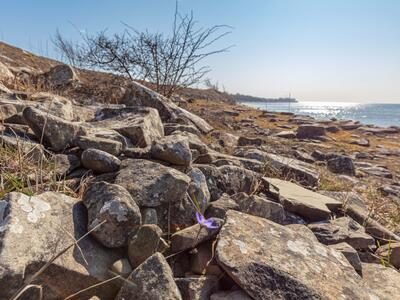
x,y
109,190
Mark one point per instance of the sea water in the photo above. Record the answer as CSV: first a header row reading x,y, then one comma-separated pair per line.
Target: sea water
x,y
377,114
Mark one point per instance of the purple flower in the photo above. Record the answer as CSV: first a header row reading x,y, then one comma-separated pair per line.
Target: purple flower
x,y
209,223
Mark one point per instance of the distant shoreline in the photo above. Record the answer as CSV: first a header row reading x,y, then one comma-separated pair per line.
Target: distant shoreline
x,y
239,98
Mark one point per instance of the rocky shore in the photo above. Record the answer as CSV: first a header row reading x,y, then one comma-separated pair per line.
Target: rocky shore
x,y
152,198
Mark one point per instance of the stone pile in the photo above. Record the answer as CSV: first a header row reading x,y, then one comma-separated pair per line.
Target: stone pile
x,y
164,216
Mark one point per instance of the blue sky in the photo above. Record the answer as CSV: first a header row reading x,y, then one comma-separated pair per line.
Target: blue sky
x,y
317,50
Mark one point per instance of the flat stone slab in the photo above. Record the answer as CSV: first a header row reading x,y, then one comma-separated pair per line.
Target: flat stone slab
x,y
308,204
270,261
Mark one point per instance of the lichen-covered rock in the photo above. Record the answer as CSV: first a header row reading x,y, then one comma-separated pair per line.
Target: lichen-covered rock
x,y
342,230
237,180
198,188
303,202
144,244
215,180
34,229
384,281
342,165
152,280
173,149
152,184
61,75
142,125
57,133
113,204
270,261
139,95
100,161
56,105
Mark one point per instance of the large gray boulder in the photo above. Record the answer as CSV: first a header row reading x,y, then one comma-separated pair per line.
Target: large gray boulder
x,y
34,229
61,75
173,149
152,184
305,203
152,280
57,133
270,261
53,104
113,204
142,125
139,95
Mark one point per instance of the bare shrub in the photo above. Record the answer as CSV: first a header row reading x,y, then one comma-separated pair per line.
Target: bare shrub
x,y
169,61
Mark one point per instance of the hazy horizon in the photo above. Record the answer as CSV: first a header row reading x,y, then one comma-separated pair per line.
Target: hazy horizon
x,y
341,51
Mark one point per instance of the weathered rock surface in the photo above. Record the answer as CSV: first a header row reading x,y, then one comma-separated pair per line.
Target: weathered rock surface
x,y
269,261
230,295
342,165
384,281
260,207
342,230
93,142
191,236
198,188
138,94
197,287
354,207
33,229
288,167
152,280
56,105
144,244
100,161
219,207
310,131
152,184
173,149
57,133
391,253
351,255
303,202
61,75
142,125
113,204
